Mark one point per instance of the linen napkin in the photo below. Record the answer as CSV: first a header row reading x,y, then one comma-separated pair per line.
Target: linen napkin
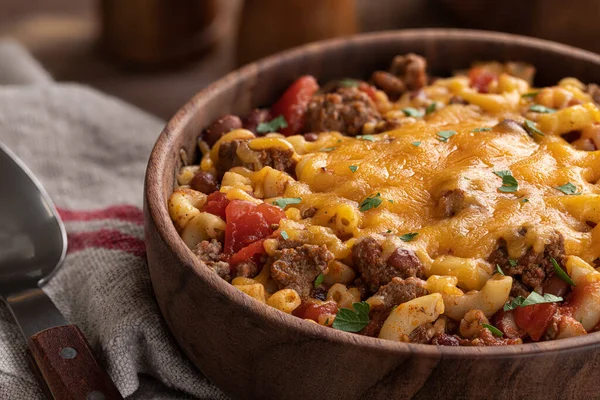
x,y
90,151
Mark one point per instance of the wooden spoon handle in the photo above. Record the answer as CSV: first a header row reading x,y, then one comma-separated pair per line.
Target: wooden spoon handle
x,y
68,366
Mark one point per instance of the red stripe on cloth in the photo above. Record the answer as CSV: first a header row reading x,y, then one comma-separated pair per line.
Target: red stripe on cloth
x,y
122,212
106,239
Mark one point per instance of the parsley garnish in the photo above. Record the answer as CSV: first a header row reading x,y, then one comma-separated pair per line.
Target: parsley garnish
x,y
371,202
416,144
352,320
284,235
561,273
499,269
495,331
443,136
286,201
327,149
319,280
431,108
481,130
533,298
370,138
273,125
530,94
513,263
568,188
391,201
353,168
524,200
509,183
407,237
538,108
412,112
531,128
348,83
389,231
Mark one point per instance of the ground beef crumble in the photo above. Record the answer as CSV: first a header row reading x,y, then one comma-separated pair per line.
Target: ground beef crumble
x,y
210,252
375,271
297,268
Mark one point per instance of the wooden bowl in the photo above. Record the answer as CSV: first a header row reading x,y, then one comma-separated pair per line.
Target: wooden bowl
x,y
253,351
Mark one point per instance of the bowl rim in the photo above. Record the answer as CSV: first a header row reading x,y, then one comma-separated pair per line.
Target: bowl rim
x,y
157,209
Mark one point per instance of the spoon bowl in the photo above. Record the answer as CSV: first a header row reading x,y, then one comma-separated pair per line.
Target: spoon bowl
x,y
33,241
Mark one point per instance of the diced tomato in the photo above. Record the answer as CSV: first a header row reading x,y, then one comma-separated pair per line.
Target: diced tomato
x,y
505,321
535,319
312,310
480,78
251,251
294,102
216,203
368,89
247,223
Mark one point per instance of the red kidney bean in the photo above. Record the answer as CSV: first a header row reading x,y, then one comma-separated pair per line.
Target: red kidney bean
x,y
220,127
256,117
204,182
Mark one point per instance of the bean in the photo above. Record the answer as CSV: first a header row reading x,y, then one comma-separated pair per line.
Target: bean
x,y
220,127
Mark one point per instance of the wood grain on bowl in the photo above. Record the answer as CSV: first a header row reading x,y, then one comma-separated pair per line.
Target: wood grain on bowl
x,y
253,351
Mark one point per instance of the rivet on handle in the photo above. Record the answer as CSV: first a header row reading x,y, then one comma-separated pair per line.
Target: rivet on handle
x,y
68,353
95,395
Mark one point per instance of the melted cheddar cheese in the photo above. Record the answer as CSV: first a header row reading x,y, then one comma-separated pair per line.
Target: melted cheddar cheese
x,y
412,167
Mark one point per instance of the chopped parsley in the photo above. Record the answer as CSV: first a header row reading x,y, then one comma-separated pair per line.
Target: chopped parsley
x,y
353,168
538,108
352,320
431,108
416,144
286,201
524,200
327,149
530,94
389,231
495,331
531,128
371,202
407,237
285,235
509,183
412,112
273,125
370,138
561,273
391,201
348,83
513,263
443,136
499,269
568,188
481,130
319,280
533,298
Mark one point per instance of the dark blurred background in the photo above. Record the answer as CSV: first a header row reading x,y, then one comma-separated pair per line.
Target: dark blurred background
x,y
157,53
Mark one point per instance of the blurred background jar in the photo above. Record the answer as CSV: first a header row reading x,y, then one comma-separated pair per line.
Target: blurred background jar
x,y
268,26
158,33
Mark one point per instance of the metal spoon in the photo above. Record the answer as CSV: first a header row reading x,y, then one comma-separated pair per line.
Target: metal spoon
x,y
33,244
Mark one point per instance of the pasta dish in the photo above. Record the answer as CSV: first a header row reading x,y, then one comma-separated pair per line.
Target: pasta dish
x,y
457,211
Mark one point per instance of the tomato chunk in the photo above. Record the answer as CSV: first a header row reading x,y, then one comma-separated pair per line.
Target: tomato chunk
x,y
313,310
480,78
216,203
371,91
294,102
505,321
535,319
252,251
248,222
